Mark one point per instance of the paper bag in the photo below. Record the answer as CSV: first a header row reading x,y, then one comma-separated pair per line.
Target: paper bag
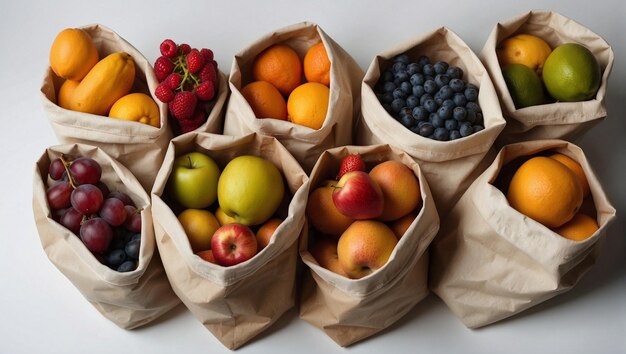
x,y
449,166
304,143
491,262
234,303
129,299
350,310
140,147
560,120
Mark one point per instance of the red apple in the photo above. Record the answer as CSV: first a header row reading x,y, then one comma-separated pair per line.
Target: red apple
x,y
207,255
233,243
358,196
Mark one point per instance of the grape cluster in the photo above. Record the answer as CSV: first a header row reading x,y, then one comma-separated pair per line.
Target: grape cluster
x,y
107,222
430,99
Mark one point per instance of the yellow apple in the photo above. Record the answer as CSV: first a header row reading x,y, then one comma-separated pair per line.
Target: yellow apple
x,y
401,189
365,247
223,218
199,225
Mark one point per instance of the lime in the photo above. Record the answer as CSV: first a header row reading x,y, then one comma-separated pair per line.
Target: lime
x,y
524,85
571,73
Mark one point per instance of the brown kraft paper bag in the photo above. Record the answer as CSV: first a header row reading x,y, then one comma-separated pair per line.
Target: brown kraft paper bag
x,y
449,166
491,262
304,143
350,310
140,147
129,299
234,303
560,120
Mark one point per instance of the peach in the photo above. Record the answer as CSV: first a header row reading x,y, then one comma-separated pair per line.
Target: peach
x,y
365,247
324,250
207,255
324,215
265,232
400,226
400,187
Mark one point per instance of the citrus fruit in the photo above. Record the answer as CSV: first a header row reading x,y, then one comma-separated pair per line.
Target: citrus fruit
x,y
199,225
265,100
317,65
64,96
307,105
546,191
73,54
525,49
137,107
576,168
280,66
524,85
571,73
579,228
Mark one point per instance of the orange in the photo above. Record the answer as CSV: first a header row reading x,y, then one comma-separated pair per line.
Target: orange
x,y
280,66
307,105
136,107
525,49
576,168
317,65
265,100
64,96
546,191
73,54
579,228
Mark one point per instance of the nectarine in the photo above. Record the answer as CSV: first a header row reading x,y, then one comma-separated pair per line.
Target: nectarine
x,y
400,187
365,247
323,215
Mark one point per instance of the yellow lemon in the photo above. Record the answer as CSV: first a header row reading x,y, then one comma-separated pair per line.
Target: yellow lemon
x,y
137,107
525,49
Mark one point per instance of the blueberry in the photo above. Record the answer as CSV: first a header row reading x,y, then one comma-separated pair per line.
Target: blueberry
x,y
386,97
389,86
473,106
471,94
420,113
446,92
387,108
425,97
459,113
136,237
413,68
440,67
451,124
441,134
127,266
457,85
117,242
429,70
406,87
430,105
402,58
399,93
397,105
407,121
398,66
423,60
422,122
471,117
426,129
412,102
430,87
454,134
454,72
387,76
466,129
438,100
402,76
116,257
418,90
417,79
477,128
449,103
132,249
441,80
445,112
459,99
405,111
479,119
436,120
415,129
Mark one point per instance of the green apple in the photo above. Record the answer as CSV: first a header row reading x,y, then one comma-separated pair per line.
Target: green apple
x,y
250,189
193,181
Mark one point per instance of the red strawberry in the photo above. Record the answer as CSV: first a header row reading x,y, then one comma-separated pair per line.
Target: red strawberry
x,y
164,93
208,73
173,81
352,162
205,91
168,48
195,61
163,67
183,105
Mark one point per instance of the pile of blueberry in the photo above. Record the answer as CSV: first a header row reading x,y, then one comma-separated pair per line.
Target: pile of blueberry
x,y
431,100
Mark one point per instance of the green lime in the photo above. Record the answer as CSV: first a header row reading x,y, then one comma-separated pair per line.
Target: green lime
x,y
524,85
571,73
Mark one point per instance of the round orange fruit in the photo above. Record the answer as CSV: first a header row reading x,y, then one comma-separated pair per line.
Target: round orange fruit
x,y
73,54
579,228
317,65
308,104
265,100
577,169
279,65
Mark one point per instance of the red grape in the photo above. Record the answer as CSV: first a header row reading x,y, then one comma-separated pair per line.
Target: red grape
x,y
96,234
133,220
113,211
56,169
104,189
57,214
87,199
72,220
122,196
59,195
85,171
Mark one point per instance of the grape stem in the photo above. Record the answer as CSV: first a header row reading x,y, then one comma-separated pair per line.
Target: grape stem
x,y
66,165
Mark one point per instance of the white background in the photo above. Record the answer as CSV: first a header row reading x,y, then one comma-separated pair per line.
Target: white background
x,y
40,310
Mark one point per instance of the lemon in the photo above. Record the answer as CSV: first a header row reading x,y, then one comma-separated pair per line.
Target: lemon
x,y
525,49
137,107
571,73
524,85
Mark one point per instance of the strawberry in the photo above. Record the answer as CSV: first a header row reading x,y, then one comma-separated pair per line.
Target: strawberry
x,y
183,105
205,91
352,162
163,67
195,61
164,93
168,48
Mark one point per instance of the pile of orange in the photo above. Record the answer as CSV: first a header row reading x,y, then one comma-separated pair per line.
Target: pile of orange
x,y
279,91
551,190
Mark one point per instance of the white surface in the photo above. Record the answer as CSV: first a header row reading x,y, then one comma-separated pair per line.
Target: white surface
x,y
40,310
